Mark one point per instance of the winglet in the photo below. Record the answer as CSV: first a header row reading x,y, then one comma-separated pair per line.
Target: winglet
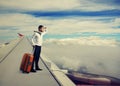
x,y
20,35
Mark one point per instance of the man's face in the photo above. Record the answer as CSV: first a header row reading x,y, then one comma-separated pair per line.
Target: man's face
x,y
42,29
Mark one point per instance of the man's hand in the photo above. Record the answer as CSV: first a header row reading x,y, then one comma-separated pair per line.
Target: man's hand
x,y
33,46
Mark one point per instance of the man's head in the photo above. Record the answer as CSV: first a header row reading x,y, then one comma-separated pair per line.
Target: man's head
x,y
41,28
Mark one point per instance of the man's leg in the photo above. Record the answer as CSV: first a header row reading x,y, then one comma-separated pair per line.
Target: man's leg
x,y
35,50
37,58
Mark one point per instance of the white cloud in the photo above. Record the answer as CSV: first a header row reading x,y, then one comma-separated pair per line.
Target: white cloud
x,y
15,19
21,22
91,41
66,26
55,5
90,5
40,4
117,22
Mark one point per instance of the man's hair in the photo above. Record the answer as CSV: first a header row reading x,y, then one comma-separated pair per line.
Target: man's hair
x,y
40,26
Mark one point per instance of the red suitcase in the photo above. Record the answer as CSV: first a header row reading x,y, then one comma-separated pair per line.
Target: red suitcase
x,y
26,63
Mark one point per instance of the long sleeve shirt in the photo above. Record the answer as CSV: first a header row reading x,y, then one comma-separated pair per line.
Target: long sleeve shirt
x,y
37,38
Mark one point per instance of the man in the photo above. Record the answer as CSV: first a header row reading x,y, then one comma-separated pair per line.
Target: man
x,y
37,40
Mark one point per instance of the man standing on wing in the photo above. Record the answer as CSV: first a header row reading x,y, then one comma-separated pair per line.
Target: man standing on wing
x,y
37,40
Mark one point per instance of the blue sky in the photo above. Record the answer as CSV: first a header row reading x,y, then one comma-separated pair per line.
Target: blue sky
x,y
64,19
105,13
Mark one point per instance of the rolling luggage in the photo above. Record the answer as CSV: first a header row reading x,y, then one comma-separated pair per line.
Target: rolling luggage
x,y
26,63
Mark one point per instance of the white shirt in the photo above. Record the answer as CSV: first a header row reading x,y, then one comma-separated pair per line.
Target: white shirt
x,y
37,38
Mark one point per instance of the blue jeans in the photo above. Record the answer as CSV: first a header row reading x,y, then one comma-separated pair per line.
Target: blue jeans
x,y
37,52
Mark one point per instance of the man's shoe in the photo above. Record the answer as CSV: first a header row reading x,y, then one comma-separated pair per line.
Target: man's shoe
x,y
33,71
38,69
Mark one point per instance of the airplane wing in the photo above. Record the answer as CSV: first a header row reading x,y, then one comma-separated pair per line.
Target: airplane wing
x,y
10,75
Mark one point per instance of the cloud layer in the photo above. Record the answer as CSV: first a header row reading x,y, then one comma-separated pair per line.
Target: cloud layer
x,y
91,55
91,41
60,26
